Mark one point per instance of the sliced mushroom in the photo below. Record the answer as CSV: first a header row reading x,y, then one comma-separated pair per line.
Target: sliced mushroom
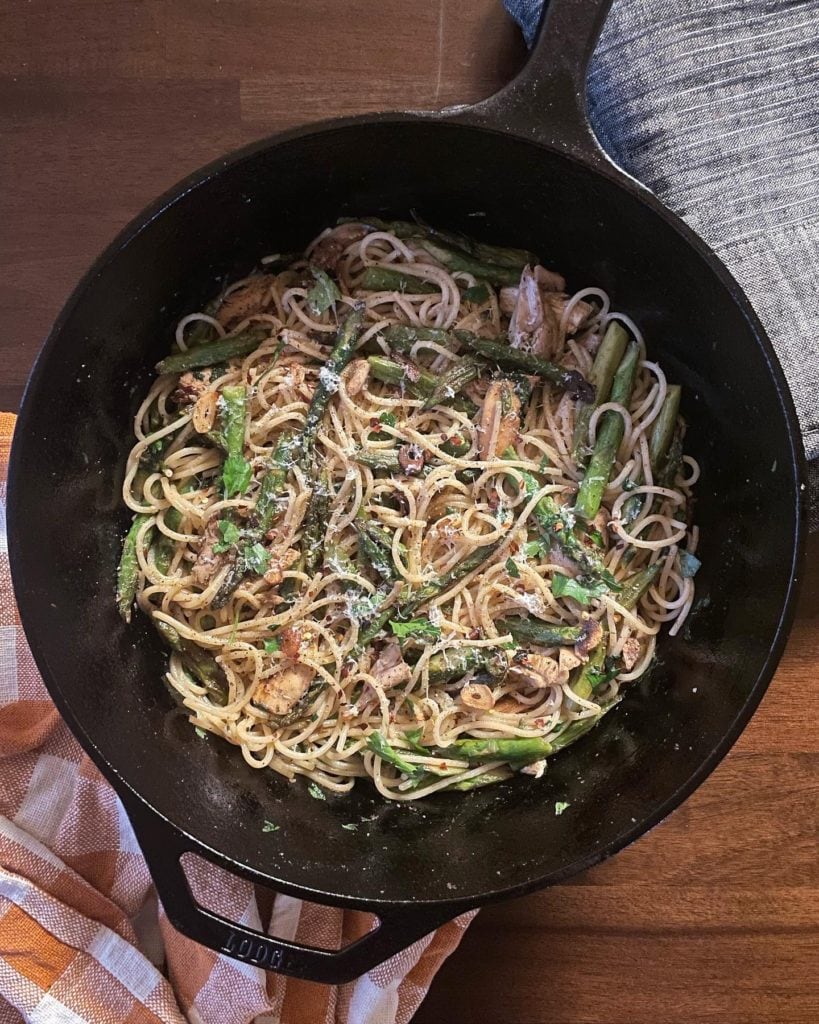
x,y
580,311
533,327
411,459
592,635
390,669
508,705
500,419
356,376
631,653
204,412
208,562
535,670
329,250
549,281
244,302
281,693
477,696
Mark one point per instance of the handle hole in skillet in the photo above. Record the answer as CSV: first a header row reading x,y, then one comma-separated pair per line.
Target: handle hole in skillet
x,y
271,913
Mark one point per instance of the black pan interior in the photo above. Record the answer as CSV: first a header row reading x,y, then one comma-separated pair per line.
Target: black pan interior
x,y
67,520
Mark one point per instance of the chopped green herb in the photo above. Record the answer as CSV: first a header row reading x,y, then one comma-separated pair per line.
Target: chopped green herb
x,y
323,294
596,537
413,737
228,535
256,558
350,826
565,586
415,627
534,549
689,564
270,827
236,475
560,806
545,462
377,743
390,420
316,792
508,645
477,293
199,732
512,569
273,645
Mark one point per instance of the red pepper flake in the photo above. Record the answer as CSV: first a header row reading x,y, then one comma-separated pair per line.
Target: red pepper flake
x,y
375,422
475,634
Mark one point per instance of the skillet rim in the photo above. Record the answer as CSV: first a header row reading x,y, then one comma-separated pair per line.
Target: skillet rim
x,y
457,118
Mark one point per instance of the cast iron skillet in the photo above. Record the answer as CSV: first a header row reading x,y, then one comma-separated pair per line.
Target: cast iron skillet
x,y
522,168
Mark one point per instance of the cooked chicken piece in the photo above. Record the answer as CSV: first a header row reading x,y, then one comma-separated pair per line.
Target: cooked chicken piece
x,y
291,640
280,562
536,768
280,693
535,670
580,312
533,327
390,669
244,302
549,281
592,635
500,419
507,705
478,696
631,653
208,563
356,376
567,660
329,250
190,387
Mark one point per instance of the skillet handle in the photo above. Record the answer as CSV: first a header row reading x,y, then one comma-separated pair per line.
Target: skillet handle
x,y
546,101
163,845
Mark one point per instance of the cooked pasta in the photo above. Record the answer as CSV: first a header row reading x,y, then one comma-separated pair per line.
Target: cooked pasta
x,y
405,509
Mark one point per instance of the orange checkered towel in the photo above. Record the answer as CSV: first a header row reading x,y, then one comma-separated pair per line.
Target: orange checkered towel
x,y
82,937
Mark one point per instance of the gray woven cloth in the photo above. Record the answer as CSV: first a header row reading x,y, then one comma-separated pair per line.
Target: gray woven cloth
x,y
713,105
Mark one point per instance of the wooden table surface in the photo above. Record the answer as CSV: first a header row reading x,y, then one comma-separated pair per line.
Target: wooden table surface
x,y
714,916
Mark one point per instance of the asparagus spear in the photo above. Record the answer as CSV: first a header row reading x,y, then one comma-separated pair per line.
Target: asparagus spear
x,y
384,279
375,544
673,462
544,634
462,372
520,750
236,471
215,351
609,436
402,337
662,434
379,745
579,728
128,572
346,340
601,376
635,586
455,662
500,256
379,460
198,662
456,262
514,359
271,488
418,382
584,677
478,781
315,524
412,602
557,523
